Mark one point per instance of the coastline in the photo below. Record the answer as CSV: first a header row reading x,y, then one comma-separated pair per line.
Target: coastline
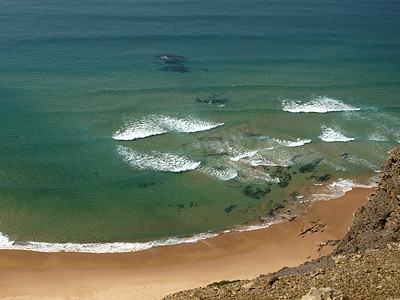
x,y
156,272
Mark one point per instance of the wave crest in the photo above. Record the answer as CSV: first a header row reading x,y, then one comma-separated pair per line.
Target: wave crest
x,y
155,125
157,161
330,135
318,105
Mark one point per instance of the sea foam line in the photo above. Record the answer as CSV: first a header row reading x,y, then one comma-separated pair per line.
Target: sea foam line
x,y
318,105
117,247
157,161
155,125
336,189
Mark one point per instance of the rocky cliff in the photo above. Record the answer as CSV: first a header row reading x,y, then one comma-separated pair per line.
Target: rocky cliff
x,y
377,224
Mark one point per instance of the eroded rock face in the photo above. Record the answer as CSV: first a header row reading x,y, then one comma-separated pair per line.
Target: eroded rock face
x,y
377,224
322,294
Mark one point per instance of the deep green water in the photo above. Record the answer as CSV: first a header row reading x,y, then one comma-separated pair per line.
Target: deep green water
x,y
313,99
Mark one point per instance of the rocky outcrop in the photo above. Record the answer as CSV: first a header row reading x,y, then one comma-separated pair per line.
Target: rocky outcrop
x,y
377,224
371,275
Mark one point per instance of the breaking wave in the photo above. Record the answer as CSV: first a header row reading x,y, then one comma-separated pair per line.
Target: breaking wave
x,y
318,105
155,125
297,143
221,173
157,161
377,137
330,135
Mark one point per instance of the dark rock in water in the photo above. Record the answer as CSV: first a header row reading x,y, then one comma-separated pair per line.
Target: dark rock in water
x,y
376,225
284,179
212,138
310,166
295,157
172,58
212,100
322,178
219,168
278,170
294,195
176,68
250,134
175,63
276,209
230,208
180,207
345,155
256,192
217,154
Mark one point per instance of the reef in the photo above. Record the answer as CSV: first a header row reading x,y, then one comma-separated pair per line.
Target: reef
x,y
256,192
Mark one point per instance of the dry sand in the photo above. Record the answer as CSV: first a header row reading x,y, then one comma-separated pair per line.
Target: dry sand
x,y
154,273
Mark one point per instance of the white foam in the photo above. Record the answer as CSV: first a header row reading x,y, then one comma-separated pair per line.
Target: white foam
x,y
255,175
254,227
157,161
155,125
378,137
117,247
140,129
318,105
339,188
243,155
224,173
363,162
330,135
260,160
297,143
5,241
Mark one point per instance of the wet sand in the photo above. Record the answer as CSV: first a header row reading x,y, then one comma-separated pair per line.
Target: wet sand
x,y
154,273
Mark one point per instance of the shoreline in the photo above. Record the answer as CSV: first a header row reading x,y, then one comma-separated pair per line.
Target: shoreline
x,y
158,271
334,190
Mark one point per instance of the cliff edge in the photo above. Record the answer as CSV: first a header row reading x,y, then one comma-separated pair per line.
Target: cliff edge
x,y
377,224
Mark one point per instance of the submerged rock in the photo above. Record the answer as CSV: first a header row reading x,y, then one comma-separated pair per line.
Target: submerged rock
x,y
256,192
175,63
310,166
172,58
230,208
212,100
322,178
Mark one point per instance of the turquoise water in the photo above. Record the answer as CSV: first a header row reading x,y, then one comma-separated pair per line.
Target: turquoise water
x,y
138,121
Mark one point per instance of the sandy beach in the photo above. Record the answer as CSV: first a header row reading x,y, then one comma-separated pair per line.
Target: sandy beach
x,y
154,273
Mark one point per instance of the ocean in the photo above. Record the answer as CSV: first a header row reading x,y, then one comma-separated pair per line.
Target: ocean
x,y
130,124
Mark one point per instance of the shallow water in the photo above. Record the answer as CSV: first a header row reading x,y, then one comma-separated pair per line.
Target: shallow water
x,y
108,137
